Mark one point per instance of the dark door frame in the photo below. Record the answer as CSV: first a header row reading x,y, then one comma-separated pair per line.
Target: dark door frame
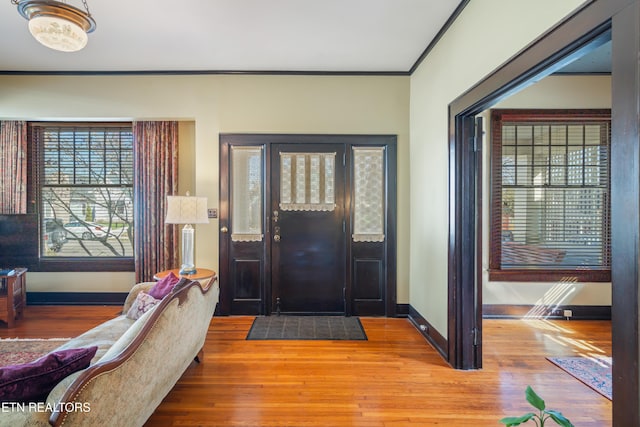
x,y
620,20
357,254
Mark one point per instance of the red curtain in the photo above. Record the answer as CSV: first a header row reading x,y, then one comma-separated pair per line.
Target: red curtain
x,y
13,167
155,177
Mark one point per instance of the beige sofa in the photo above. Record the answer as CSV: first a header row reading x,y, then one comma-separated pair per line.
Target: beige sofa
x,y
138,362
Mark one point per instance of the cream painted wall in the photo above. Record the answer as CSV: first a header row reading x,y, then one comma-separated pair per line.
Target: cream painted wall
x,y
460,60
563,91
551,92
209,105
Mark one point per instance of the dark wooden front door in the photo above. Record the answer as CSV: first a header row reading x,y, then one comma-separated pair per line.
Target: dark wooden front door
x,y
308,243
307,224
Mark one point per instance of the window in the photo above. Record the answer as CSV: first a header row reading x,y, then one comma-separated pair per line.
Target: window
x,y
550,188
83,177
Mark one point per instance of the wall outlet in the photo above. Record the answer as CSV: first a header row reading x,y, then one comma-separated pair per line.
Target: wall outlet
x,y
567,313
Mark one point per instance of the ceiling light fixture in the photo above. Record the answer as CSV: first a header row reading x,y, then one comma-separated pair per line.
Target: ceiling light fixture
x,y
57,25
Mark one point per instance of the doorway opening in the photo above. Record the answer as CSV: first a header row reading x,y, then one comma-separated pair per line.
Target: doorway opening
x,y
466,196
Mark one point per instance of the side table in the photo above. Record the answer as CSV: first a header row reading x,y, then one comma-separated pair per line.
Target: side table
x,y
13,295
200,275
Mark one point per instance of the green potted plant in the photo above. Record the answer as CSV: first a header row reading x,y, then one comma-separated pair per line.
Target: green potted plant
x,y
543,413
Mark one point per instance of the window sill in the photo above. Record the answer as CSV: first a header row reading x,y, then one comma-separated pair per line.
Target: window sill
x,y
85,265
531,275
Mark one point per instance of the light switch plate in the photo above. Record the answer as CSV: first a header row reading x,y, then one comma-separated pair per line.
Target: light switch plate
x,y
212,213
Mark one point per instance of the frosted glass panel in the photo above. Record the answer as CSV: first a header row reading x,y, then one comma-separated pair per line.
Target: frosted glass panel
x,y
314,179
307,181
329,177
301,182
368,174
246,194
285,178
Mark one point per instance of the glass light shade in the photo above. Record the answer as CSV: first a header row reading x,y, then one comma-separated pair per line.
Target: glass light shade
x,y
58,33
57,25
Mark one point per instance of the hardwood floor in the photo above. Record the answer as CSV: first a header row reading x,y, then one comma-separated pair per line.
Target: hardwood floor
x,y
394,379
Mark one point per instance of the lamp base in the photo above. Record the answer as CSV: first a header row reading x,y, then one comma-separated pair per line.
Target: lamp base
x,y
187,270
188,265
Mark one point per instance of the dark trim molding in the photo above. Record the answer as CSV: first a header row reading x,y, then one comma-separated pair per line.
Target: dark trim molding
x,y
116,298
91,264
438,36
591,73
205,72
464,254
625,215
402,310
579,312
76,298
429,332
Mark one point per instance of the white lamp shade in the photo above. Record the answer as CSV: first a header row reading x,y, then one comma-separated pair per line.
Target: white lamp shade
x,y
58,33
186,210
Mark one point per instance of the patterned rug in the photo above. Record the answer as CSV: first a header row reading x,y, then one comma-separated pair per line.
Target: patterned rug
x,y
594,372
306,328
17,351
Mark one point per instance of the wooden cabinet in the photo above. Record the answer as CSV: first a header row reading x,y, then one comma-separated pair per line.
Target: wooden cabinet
x,y
13,295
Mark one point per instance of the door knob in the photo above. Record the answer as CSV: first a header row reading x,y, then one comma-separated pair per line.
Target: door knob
x,y
224,230
276,238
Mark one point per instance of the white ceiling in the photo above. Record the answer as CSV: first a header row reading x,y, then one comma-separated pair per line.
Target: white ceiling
x,y
236,35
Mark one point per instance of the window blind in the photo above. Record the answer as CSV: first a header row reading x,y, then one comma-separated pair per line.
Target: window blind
x,y
84,178
550,191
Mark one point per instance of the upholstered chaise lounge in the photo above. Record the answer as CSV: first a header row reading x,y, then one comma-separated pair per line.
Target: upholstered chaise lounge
x,y
137,363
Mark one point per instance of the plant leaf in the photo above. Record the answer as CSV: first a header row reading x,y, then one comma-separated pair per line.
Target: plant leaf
x,y
559,418
515,421
535,400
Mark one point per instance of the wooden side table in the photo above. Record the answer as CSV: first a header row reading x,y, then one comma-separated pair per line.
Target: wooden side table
x,y
201,275
13,295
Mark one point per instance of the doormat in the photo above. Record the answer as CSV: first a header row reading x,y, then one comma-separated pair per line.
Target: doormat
x,y
594,372
15,351
306,328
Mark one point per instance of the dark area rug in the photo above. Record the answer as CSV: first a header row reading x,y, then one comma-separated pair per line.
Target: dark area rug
x,y
306,328
594,372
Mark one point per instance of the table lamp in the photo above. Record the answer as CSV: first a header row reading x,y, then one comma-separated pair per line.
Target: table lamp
x,y
187,210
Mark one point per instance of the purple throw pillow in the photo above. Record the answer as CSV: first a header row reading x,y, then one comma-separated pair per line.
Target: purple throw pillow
x,y
32,382
164,286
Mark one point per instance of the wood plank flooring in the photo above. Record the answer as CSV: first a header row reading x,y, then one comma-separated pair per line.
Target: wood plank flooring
x,y
394,379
